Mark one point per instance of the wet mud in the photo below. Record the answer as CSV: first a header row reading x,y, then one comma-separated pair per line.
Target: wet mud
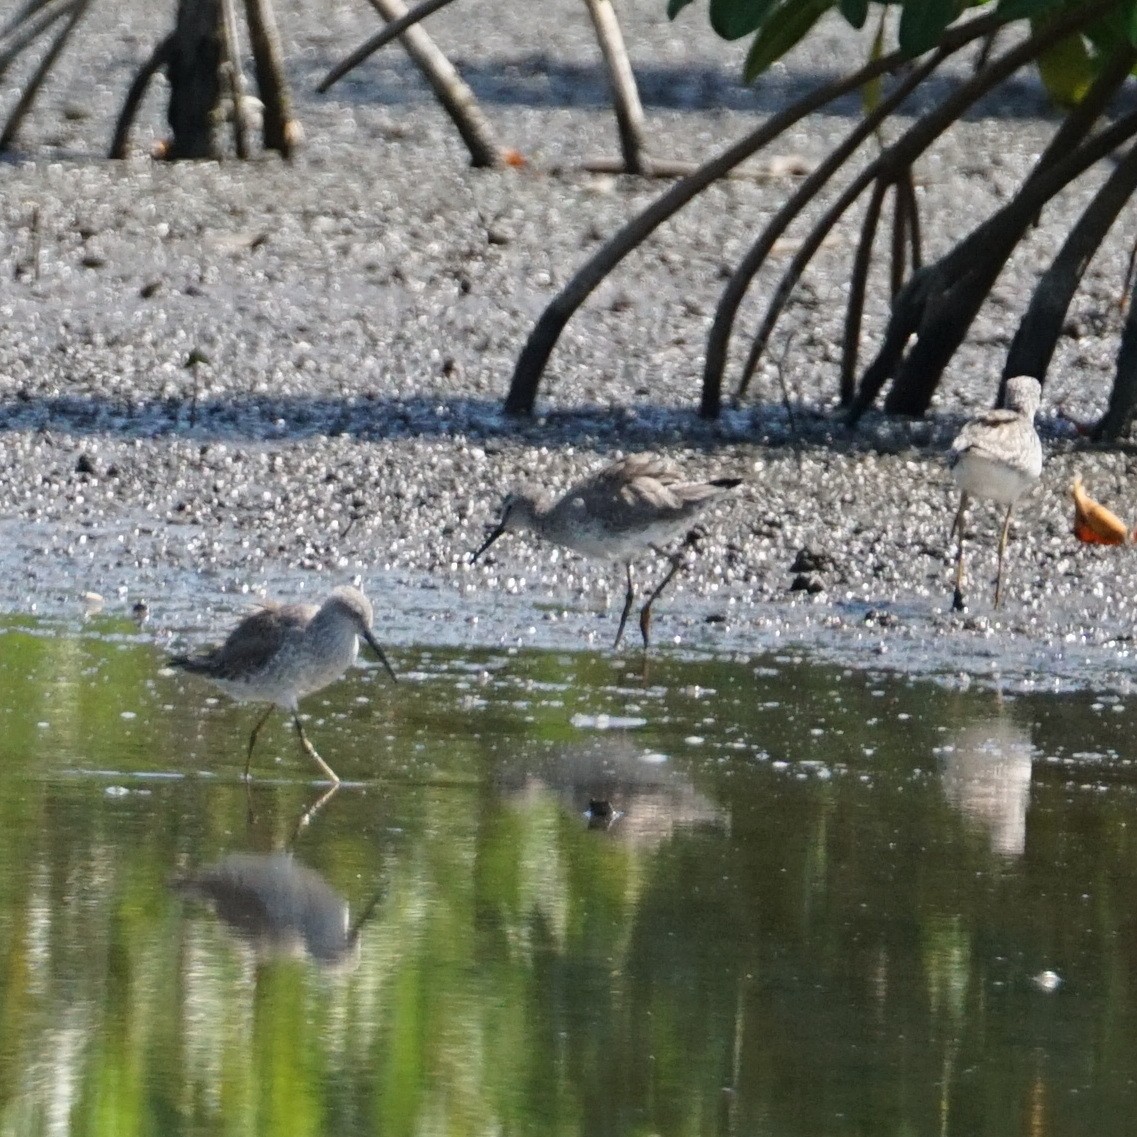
x,y
222,380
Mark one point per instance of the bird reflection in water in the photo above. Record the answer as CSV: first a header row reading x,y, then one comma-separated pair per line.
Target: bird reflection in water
x,y
986,775
616,785
279,908
600,813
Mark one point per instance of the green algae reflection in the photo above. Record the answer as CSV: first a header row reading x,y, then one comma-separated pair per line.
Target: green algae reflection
x,y
829,903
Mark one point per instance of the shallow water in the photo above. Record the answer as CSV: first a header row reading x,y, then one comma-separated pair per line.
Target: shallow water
x,y
828,901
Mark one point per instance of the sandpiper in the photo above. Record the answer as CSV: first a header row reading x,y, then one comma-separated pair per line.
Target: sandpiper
x,y
998,457
636,503
282,652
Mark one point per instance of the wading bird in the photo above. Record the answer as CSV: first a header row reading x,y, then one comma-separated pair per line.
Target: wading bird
x,y
282,652
637,503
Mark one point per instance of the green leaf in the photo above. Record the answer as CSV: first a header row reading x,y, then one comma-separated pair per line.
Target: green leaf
x,y
674,7
1067,69
1008,10
855,12
733,19
1111,29
872,90
791,20
922,22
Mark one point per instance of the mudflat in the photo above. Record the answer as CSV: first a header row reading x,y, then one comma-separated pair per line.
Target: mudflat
x,y
355,317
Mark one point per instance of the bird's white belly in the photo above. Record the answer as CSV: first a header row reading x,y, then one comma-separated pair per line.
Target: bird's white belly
x,y
983,477
606,545
294,672
257,689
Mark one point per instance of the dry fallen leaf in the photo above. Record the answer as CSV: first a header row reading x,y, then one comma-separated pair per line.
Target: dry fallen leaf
x,y
1093,523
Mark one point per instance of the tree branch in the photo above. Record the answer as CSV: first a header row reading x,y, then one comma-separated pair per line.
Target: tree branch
x,y
380,39
158,59
1037,335
449,88
543,338
857,285
280,130
901,155
951,291
629,109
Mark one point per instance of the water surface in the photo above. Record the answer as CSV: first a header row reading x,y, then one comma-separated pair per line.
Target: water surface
x,y
826,902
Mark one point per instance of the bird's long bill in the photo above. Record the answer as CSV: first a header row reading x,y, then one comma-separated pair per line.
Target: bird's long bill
x,y
374,645
488,541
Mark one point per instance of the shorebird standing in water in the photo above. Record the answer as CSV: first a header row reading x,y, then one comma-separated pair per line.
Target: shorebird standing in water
x,y
283,652
997,457
637,503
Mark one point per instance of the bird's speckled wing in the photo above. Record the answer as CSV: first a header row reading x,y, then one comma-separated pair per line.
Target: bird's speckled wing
x,y
642,490
985,434
638,501
252,643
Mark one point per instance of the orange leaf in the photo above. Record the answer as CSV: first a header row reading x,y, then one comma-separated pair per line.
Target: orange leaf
x,y
1093,523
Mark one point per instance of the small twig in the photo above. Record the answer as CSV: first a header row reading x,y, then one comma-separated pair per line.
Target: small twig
x,y
35,242
780,368
906,186
235,77
899,240
857,286
30,263
665,168
193,362
381,38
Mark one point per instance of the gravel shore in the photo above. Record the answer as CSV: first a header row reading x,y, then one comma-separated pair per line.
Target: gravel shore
x,y
357,315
